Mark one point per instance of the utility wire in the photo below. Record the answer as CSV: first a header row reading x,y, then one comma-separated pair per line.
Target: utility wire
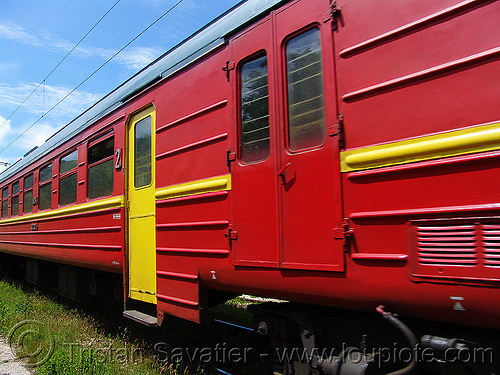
x,y
60,62
91,75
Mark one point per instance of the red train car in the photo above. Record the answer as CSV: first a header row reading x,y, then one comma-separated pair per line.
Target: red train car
x,y
340,154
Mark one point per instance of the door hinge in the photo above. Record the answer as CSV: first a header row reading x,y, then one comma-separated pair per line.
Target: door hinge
x,y
230,157
227,68
231,235
337,129
335,14
343,233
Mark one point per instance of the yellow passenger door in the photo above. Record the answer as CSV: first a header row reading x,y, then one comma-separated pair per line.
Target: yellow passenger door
x,y
141,206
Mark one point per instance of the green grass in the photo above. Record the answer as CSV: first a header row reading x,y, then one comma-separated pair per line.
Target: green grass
x,y
96,339
80,344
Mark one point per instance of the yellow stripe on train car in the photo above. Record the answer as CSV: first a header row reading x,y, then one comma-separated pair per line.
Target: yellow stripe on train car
x,y
100,205
460,142
208,185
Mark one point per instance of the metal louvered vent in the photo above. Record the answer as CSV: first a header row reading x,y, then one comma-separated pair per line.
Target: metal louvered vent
x,y
491,239
456,249
447,245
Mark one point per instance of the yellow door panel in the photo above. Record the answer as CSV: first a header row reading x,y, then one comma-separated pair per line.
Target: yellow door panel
x,y
141,206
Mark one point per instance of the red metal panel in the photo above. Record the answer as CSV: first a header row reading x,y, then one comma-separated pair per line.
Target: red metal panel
x,y
310,202
255,185
419,68
91,240
423,99
404,69
192,129
381,203
192,139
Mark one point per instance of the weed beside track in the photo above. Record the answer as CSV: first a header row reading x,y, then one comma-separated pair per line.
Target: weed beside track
x,y
57,336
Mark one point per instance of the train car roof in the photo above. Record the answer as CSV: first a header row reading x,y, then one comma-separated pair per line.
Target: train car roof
x,y
205,40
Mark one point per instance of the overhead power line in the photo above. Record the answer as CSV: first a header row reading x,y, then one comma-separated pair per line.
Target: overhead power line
x,y
58,64
92,74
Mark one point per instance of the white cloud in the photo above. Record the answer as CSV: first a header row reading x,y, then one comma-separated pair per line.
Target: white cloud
x,y
4,129
36,136
45,98
18,34
138,57
38,104
132,58
4,132
7,67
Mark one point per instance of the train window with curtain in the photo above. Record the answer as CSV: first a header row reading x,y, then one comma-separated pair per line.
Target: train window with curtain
x,y
45,188
101,168
5,202
28,194
306,108
67,178
14,211
254,113
142,153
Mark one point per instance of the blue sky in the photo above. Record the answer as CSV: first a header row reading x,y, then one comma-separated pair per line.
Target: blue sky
x,y
36,35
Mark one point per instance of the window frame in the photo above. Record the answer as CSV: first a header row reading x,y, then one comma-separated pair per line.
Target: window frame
x,y
43,184
151,156
110,134
14,195
257,55
68,173
286,114
27,190
5,213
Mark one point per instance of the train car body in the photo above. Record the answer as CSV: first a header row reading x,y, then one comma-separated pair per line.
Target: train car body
x,y
337,153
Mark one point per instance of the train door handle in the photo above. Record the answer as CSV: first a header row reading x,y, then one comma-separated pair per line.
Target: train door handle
x,y
286,174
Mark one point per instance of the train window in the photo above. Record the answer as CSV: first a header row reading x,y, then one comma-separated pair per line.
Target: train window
x,y
306,108
28,194
68,180
254,114
15,199
5,202
142,153
101,167
45,188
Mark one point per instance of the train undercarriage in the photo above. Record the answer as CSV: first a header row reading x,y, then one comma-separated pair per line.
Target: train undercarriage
x,y
311,340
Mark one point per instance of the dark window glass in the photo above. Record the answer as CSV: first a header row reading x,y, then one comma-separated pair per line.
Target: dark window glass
x,y
68,162
28,182
101,150
142,153
45,196
45,190
28,202
306,108
46,173
15,188
5,202
101,169
67,189
68,179
5,208
254,110
15,205
101,179
28,194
